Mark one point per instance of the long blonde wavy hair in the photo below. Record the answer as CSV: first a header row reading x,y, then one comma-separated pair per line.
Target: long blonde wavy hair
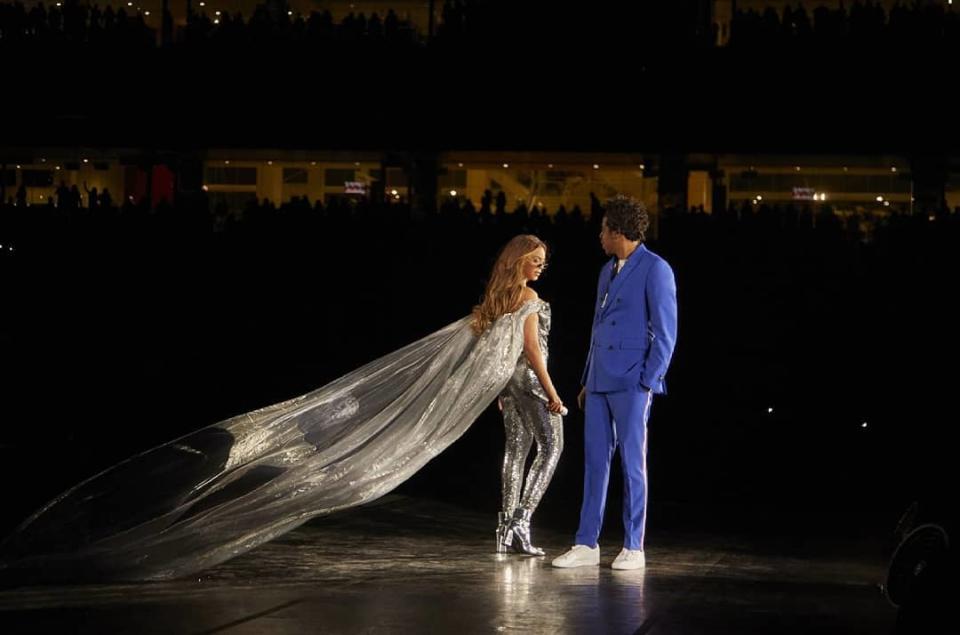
x,y
505,287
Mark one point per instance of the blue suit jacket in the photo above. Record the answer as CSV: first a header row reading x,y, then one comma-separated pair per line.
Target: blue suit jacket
x,y
635,327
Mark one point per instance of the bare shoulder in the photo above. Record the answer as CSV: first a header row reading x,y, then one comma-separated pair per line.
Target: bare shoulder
x,y
529,294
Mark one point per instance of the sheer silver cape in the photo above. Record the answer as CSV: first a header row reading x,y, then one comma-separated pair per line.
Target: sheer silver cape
x,y
216,493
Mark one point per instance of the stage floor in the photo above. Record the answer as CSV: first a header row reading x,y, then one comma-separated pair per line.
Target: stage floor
x,y
416,566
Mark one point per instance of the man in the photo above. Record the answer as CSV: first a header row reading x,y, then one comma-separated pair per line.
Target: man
x,y
634,332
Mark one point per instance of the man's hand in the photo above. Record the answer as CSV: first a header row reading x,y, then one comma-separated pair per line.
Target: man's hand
x,y
582,397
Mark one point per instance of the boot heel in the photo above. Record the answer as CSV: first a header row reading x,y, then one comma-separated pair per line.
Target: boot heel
x,y
503,535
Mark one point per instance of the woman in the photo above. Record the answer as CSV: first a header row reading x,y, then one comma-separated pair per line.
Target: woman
x,y
530,404
213,494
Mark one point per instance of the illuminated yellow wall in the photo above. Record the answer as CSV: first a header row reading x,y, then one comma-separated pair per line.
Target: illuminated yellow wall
x,y
547,180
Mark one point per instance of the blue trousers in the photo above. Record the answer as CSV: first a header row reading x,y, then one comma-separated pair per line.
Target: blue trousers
x,y
615,419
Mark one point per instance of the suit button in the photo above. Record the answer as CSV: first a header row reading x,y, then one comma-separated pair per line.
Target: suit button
x,y
614,323
610,347
618,299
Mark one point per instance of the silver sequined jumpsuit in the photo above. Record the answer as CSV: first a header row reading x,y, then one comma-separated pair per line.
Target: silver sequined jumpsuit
x,y
526,419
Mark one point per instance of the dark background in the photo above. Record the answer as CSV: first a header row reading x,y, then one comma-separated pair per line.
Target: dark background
x,y
127,329
121,337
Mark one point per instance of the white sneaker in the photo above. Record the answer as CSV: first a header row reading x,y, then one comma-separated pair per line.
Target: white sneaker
x,y
579,556
630,559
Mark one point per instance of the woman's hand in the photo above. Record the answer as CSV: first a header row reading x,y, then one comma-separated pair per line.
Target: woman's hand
x,y
555,404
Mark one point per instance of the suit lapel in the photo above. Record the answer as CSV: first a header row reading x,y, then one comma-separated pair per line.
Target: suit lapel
x,y
628,268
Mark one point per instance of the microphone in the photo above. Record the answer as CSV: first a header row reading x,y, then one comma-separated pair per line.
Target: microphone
x,y
563,411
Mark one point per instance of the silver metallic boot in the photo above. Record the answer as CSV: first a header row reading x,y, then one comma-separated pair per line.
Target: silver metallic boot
x,y
519,533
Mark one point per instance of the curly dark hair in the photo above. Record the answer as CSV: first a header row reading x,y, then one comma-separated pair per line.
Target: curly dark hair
x,y
628,216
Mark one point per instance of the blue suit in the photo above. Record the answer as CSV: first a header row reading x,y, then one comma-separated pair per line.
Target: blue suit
x,y
634,332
